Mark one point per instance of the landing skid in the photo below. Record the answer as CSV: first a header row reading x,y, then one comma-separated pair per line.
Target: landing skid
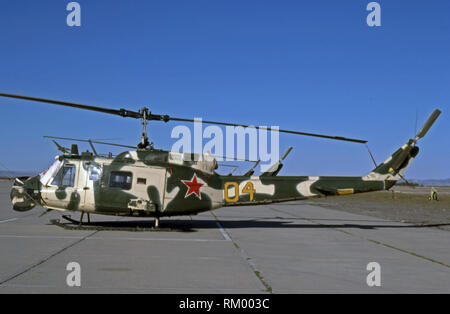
x,y
69,218
132,226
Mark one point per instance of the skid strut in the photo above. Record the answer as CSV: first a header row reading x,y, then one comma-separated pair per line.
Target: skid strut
x,y
81,218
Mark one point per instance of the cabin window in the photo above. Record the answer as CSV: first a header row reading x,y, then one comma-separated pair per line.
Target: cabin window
x,y
65,177
120,179
94,173
141,181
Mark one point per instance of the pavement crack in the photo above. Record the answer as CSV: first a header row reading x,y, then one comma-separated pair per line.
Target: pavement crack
x,y
364,238
47,258
245,257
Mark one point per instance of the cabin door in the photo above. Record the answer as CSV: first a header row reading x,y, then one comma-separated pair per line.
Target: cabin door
x,y
91,174
149,184
61,192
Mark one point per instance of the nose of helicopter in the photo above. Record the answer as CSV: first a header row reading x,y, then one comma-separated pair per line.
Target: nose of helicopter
x,y
25,193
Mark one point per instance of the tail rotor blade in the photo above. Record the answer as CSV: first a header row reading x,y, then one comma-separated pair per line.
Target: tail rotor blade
x,y
428,124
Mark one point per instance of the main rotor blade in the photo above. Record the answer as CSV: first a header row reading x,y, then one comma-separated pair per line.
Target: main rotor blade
x,y
339,138
119,112
145,114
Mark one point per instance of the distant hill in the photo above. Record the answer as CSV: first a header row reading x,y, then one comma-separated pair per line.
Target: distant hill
x,y
431,182
14,174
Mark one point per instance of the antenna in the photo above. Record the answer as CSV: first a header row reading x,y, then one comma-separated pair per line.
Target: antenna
x,y
371,156
415,124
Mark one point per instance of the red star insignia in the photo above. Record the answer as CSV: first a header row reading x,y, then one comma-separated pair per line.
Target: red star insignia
x,y
193,186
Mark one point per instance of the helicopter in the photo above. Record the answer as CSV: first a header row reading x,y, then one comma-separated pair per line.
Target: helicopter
x,y
147,182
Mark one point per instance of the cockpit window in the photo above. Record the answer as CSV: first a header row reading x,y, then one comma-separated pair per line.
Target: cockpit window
x,y
65,177
120,179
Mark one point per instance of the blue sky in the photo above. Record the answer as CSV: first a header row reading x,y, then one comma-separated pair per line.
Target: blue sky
x,y
312,66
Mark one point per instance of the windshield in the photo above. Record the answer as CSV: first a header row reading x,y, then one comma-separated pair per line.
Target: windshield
x,y
51,171
65,177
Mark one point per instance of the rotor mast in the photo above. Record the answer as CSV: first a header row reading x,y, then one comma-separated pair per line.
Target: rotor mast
x,y
144,138
145,115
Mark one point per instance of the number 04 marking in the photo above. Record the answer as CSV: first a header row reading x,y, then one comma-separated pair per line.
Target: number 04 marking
x,y
248,189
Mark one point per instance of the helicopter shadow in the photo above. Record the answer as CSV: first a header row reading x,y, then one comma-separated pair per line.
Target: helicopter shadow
x,y
188,225
291,224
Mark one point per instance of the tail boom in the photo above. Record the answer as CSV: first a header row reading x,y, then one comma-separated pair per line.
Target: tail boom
x,y
244,190
260,190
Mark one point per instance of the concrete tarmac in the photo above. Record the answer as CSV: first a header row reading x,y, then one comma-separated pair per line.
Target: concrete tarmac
x,y
278,248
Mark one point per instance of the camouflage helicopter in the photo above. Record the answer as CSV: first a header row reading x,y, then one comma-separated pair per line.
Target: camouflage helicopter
x,y
148,182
